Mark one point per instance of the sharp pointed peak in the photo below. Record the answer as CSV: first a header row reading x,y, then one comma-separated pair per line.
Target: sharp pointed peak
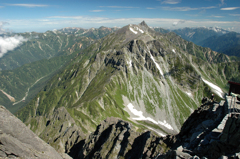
x,y
143,23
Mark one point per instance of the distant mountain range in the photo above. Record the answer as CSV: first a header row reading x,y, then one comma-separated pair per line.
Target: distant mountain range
x,y
228,44
217,39
197,35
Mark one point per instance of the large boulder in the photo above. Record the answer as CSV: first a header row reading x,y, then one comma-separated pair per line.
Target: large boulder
x,y
16,140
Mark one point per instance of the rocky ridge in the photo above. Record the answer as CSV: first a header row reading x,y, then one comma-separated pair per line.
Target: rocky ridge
x,y
115,138
210,132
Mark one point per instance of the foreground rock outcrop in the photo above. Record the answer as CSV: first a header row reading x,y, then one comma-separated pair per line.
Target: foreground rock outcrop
x,y
210,132
115,138
16,140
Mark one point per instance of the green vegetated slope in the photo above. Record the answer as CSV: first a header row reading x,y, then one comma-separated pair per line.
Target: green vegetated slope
x,y
24,82
39,46
17,82
153,80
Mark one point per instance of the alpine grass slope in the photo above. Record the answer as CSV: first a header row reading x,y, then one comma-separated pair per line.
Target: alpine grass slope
x,y
27,68
152,80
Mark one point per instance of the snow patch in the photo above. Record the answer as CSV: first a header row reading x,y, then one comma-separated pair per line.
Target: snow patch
x,y
173,51
189,94
131,29
129,63
163,135
134,29
215,88
139,29
141,117
158,67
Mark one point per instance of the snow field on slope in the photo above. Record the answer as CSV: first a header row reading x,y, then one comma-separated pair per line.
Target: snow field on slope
x,y
215,88
158,67
131,29
141,117
136,28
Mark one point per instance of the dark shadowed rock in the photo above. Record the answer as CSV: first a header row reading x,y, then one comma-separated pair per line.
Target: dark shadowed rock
x,y
115,138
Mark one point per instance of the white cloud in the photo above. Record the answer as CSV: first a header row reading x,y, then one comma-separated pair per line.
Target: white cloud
x,y
230,8
222,3
216,16
66,17
235,15
10,43
178,22
186,8
170,1
150,8
58,22
96,10
1,27
28,5
118,7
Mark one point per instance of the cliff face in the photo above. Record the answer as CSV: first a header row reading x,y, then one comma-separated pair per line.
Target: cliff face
x,y
209,132
16,140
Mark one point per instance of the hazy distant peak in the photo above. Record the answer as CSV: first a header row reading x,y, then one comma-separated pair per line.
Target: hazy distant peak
x,y
143,23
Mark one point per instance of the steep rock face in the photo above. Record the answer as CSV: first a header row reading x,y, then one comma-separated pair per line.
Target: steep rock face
x,y
59,130
115,138
209,132
16,140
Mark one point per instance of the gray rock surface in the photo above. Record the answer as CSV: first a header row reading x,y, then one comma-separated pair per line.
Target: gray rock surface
x,y
115,138
16,140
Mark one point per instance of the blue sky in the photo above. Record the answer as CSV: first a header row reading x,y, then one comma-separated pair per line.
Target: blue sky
x,y
43,15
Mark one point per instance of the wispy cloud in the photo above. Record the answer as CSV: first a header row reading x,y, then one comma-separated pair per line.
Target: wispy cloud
x,y
1,6
186,8
216,16
1,27
66,17
127,7
58,22
222,3
96,10
28,5
236,15
170,1
150,8
230,8
178,22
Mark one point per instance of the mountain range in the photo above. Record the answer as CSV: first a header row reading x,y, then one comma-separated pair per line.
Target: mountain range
x,y
150,79
133,81
217,39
